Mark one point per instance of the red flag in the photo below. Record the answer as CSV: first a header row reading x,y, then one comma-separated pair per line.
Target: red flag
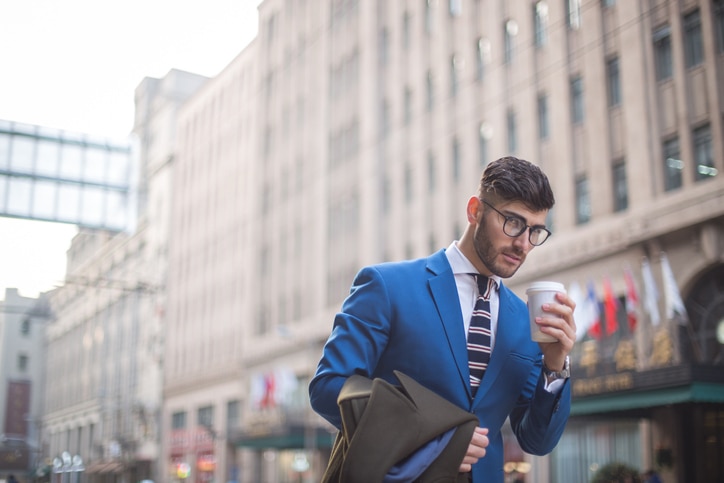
x,y
610,306
269,388
632,299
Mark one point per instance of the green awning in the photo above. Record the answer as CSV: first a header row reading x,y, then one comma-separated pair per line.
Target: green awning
x,y
292,438
696,392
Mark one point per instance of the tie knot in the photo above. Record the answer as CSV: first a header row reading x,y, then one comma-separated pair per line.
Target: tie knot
x,y
483,284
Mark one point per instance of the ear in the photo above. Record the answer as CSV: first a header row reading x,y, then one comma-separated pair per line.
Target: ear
x,y
473,209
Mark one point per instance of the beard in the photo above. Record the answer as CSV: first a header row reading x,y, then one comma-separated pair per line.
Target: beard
x,y
492,257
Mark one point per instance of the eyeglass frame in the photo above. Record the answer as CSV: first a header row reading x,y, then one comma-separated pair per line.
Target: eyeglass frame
x,y
526,226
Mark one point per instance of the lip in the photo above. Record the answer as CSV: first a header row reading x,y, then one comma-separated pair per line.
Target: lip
x,y
512,258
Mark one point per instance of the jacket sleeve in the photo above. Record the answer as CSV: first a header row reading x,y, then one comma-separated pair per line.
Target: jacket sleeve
x,y
359,336
538,424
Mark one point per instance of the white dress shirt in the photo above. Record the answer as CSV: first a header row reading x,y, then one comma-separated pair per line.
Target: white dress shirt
x,y
468,294
468,289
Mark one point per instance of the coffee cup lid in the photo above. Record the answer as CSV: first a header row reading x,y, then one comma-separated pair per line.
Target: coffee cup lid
x,y
546,286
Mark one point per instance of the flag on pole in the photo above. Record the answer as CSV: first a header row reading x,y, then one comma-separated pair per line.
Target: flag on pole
x,y
632,299
610,305
592,302
651,293
675,309
582,315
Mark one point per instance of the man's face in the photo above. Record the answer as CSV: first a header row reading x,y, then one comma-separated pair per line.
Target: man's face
x,y
501,254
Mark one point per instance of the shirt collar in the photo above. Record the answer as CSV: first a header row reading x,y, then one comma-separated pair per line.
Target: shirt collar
x,y
461,265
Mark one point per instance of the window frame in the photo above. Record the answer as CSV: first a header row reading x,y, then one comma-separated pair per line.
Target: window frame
x,y
619,184
663,56
693,39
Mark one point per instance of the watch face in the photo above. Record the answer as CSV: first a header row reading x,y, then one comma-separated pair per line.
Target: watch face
x,y
720,332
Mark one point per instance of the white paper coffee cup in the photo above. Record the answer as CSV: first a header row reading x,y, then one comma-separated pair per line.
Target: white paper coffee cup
x,y
540,293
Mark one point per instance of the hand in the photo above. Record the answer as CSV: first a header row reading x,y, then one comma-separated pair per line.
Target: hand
x,y
476,449
559,324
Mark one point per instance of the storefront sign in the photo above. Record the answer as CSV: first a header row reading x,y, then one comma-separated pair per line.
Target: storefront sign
x,y
602,384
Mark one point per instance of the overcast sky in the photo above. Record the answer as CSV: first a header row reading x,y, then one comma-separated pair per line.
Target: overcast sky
x,y
74,65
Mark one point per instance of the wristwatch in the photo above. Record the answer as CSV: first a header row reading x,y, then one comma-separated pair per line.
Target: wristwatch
x,y
551,376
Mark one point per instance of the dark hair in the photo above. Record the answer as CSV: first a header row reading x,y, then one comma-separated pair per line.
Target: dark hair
x,y
513,179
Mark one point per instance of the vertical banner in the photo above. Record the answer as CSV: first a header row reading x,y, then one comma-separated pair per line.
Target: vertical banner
x,y
651,293
17,410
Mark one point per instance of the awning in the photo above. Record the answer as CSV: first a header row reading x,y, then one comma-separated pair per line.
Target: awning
x,y
114,467
292,438
696,392
104,467
94,468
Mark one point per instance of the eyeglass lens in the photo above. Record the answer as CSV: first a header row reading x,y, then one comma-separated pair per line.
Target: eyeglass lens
x,y
515,226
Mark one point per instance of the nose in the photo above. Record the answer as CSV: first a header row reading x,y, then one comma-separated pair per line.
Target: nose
x,y
522,241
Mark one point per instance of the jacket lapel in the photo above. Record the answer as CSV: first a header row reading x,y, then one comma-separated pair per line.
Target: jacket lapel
x,y
445,295
506,338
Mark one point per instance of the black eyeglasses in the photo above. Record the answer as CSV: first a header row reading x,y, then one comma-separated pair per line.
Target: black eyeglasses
x,y
514,226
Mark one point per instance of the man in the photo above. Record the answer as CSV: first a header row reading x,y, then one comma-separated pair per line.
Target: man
x,y
413,316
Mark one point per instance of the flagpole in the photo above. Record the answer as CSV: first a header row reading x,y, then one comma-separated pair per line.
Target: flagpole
x,y
675,309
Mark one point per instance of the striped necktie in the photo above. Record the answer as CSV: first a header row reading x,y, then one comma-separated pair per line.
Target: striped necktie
x,y
479,332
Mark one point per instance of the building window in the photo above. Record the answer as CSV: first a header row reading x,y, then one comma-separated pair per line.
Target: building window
x,y
577,112
662,53
408,105
384,118
620,188
456,7
430,91
543,128
271,30
693,45
573,11
431,172
512,132
263,318
703,154
429,16
233,415
540,23
485,132
614,82
25,327
718,9
673,165
268,140
456,66
205,416
406,30
608,3
583,202
509,33
178,420
266,198
482,58
384,46
456,160
23,361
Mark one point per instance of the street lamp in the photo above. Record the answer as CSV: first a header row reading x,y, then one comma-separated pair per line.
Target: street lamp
x,y
65,465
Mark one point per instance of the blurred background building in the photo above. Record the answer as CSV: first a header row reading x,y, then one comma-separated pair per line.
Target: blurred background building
x,y
354,132
371,124
105,343
22,375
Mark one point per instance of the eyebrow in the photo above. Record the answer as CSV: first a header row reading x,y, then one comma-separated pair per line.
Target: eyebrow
x,y
525,220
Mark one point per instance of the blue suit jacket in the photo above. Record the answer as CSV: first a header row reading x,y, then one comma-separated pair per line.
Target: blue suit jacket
x,y
406,316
